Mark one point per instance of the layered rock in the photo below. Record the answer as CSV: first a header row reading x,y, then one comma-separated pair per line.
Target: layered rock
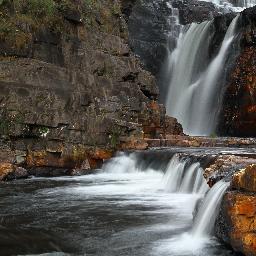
x,y
71,87
236,224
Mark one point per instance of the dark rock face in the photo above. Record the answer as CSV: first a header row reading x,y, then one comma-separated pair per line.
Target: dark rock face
x,y
195,11
68,89
148,27
238,116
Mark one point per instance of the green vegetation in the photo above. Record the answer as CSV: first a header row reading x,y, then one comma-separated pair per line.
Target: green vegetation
x,y
19,19
37,8
213,135
115,136
43,131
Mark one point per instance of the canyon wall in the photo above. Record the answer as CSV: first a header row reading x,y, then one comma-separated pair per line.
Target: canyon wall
x,y
238,115
71,90
151,28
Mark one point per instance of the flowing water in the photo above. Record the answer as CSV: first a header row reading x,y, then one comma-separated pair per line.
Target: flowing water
x,y
132,206
195,94
234,5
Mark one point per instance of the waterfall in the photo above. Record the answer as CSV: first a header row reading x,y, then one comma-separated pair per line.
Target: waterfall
x,y
194,94
173,179
235,3
208,211
122,163
182,179
209,89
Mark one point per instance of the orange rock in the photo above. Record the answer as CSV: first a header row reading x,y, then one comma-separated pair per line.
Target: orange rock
x,y
102,154
240,211
249,244
245,179
5,169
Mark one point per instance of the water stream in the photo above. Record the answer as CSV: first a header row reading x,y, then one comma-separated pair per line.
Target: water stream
x,y
132,206
195,94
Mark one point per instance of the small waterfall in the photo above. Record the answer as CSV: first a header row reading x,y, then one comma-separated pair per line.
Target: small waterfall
x,y
208,211
122,163
182,179
174,173
193,181
194,95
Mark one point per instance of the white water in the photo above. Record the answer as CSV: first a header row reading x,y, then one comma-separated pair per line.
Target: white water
x,y
180,179
235,5
208,211
124,186
194,95
209,91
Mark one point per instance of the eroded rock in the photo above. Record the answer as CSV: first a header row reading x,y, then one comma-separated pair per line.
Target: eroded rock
x,y
236,224
245,179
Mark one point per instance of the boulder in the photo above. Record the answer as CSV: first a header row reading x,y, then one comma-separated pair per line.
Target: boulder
x,y
245,179
9,171
5,170
236,224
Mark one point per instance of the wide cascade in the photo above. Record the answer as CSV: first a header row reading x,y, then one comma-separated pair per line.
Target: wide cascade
x,y
182,178
194,94
138,203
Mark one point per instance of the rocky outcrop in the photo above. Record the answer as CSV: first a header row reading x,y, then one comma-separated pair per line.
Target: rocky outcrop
x,y
225,166
238,115
236,224
245,179
70,85
190,141
237,218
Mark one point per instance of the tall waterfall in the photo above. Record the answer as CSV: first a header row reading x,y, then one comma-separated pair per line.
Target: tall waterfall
x,y
194,92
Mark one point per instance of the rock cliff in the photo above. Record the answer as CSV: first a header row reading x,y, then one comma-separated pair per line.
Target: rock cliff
x,y
236,224
71,90
153,28
238,115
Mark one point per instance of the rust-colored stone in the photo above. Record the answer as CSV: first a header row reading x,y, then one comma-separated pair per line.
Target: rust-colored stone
x,y
245,179
5,170
239,211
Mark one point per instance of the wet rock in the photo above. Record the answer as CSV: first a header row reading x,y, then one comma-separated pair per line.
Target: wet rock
x,y
196,11
10,172
236,224
172,127
5,170
71,88
224,166
245,179
238,115
18,173
48,171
